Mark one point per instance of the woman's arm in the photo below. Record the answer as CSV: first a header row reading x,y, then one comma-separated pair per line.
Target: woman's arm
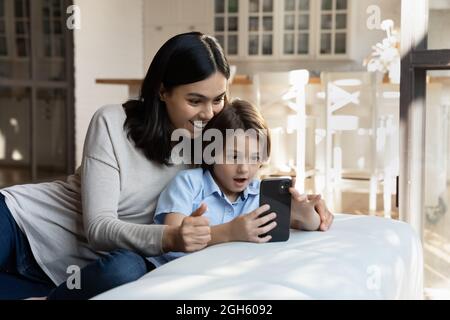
x,y
101,190
309,212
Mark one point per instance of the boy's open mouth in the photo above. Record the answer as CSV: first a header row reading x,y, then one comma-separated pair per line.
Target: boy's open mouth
x,y
240,180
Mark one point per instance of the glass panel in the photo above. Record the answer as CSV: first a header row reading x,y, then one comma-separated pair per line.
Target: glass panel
x,y
327,4
233,6
232,44
438,21
59,49
288,44
303,43
57,27
15,161
46,26
267,5
289,22
325,23
267,23
3,47
340,44
232,24
22,47
220,39
46,9
219,24
325,43
16,66
253,44
341,4
50,127
20,27
57,8
19,11
219,6
341,21
253,23
50,62
253,6
47,47
267,44
303,22
289,5
303,5
436,191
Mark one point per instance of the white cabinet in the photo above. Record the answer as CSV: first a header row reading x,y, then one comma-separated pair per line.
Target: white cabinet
x,y
185,16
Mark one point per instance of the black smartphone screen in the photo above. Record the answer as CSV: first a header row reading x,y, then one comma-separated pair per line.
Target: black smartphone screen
x,y
275,192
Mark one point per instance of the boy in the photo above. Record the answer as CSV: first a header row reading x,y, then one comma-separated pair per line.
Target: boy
x,y
226,189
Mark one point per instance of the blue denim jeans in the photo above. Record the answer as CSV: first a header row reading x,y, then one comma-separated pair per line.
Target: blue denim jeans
x,y
21,277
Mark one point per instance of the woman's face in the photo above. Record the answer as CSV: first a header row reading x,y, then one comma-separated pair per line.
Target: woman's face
x,y
192,105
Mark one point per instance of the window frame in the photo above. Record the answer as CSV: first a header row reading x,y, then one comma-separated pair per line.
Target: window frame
x,y
416,61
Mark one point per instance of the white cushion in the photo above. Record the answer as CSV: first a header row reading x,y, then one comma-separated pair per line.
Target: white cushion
x,y
360,257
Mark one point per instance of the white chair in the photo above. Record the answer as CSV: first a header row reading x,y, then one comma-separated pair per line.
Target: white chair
x,y
281,98
360,141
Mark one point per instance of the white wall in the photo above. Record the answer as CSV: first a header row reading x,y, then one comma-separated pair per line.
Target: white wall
x,y
108,45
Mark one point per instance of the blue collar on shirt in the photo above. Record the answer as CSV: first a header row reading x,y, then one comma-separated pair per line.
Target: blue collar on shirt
x,y
210,187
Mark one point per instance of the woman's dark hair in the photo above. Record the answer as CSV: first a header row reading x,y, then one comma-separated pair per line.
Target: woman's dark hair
x,y
185,58
239,114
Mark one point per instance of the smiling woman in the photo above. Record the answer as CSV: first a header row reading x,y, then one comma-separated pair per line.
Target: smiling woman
x,y
193,105
108,204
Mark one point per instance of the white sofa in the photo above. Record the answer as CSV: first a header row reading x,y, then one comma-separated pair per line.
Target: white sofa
x,y
361,257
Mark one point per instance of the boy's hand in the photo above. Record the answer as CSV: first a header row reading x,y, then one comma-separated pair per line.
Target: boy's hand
x,y
194,232
249,227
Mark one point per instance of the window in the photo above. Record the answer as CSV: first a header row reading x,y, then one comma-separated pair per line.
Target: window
x,y
226,25
333,27
22,28
296,27
36,91
53,23
253,29
260,27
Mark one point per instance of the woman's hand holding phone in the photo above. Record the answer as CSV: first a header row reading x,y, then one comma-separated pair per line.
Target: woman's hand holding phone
x,y
250,226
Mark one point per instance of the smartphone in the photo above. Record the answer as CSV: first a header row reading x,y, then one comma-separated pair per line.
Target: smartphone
x,y
275,193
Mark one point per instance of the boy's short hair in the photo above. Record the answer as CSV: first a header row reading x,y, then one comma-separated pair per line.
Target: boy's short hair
x,y
239,114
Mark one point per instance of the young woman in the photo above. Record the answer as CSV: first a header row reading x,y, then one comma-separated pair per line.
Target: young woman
x,y
100,219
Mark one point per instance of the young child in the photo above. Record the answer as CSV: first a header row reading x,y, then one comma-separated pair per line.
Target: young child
x,y
227,191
